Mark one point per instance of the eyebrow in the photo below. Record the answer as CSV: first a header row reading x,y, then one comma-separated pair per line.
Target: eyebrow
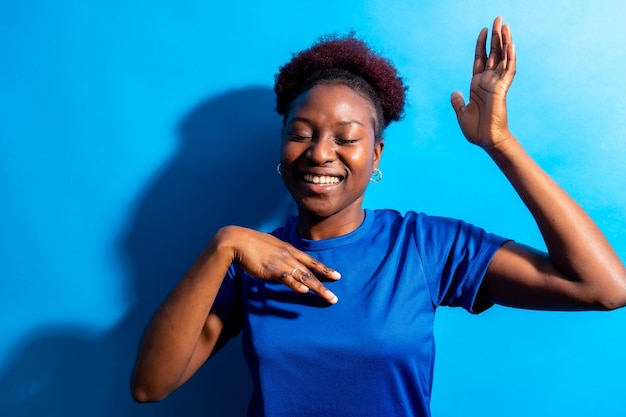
x,y
341,123
349,122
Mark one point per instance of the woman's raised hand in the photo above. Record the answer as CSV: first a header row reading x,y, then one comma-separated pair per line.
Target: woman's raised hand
x,y
484,119
266,257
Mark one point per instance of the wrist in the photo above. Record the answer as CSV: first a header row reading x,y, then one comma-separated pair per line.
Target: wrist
x,y
224,242
506,146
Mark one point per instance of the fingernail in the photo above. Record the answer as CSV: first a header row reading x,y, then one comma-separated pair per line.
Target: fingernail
x,y
336,274
333,298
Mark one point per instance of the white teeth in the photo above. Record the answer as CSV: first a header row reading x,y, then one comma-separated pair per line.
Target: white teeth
x,y
321,179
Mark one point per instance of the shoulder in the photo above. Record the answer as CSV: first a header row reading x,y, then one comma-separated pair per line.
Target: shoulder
x,y
432,232
415,221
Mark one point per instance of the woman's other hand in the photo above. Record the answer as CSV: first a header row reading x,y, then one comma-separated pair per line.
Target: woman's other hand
x,y
266,257
484,119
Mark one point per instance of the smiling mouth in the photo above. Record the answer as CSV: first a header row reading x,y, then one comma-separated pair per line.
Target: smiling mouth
x,y
322,179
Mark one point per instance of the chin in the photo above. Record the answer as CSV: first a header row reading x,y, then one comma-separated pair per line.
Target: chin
x,y
316,212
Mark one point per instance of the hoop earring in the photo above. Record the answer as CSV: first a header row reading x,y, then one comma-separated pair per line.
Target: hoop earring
x,y
377,175
278,170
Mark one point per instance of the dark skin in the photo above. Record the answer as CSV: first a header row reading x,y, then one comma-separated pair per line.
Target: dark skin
x,y
328,155
581,270
329,151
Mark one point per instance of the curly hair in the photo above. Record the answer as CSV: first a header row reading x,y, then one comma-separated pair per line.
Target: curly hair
x,y
345,60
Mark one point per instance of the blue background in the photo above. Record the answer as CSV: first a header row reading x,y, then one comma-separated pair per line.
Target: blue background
x,y
131,131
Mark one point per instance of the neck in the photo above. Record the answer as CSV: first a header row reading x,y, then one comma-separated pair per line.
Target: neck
x,y
318,228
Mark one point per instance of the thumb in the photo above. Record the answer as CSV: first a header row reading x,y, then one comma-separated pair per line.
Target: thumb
x,y
458,104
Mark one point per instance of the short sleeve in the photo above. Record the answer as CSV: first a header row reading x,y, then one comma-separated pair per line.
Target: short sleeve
x,y
228,303
455,256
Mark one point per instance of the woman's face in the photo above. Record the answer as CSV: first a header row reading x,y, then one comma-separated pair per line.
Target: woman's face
x,y
329,150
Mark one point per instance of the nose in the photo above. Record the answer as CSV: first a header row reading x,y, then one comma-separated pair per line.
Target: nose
x,y
322,150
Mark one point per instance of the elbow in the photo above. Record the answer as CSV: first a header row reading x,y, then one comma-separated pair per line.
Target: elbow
x,y
144,393
614,296
143,396
613,302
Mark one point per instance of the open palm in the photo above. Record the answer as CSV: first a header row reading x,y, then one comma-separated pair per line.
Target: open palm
x,y
484,119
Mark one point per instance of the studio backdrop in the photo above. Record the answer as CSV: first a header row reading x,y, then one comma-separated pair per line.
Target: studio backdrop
x,y
131,131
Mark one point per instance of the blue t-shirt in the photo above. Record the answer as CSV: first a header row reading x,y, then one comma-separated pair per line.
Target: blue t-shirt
x,y
372,353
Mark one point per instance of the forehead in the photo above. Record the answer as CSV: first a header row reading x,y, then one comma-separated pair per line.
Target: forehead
x,y
332,102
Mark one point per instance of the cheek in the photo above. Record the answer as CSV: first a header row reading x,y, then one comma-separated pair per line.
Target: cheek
x,y
362,159
286,152
290,151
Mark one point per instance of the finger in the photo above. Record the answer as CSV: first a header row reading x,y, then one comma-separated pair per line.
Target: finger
x,y
458,104
509,49
480,56
507,37
318,267
506,40
509,72
306,278
496,44
287,279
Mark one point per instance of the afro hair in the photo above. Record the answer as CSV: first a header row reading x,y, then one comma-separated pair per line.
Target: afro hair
x,y
347,60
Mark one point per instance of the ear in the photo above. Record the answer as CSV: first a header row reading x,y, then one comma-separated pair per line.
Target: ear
x,y
378,151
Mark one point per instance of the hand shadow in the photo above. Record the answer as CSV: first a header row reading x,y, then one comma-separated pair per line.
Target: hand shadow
x,y
224,173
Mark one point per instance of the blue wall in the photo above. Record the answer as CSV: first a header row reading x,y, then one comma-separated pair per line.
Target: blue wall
x,y
131,131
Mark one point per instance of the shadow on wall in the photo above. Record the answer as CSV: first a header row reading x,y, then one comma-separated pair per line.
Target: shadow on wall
x,y
223,173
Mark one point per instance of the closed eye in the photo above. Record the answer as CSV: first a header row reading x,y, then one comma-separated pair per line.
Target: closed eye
x,y
341,141
299,138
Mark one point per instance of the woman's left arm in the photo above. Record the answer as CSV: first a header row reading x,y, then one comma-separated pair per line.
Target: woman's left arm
x,y
581,269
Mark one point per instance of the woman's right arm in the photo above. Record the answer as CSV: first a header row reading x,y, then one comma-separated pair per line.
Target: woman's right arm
x,y
183,333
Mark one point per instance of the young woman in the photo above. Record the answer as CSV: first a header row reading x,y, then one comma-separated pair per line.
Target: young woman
x,y
337,306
